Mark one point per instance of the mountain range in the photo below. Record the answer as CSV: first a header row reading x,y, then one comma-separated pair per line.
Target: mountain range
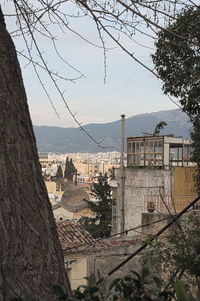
x,y
70,140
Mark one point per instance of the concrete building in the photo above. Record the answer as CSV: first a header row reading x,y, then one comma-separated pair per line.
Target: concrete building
x,y
43,158
159,177
54,188
94,169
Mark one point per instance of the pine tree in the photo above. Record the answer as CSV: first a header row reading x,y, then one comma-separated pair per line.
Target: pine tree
x,y
100,225
72,167
69,169
59,173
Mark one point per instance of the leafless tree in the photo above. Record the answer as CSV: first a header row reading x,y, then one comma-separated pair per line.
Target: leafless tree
x,y
31,258
119,23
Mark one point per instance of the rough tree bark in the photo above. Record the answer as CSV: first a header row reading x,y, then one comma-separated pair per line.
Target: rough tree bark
x,y
31,259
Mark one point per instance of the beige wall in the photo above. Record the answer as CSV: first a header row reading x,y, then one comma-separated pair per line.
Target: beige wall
x,y
105,168
65,214
92,169
76,270
82,168
83,212
80,266
52,189
62,214
87,169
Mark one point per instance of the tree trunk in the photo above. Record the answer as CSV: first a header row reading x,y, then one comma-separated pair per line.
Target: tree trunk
x,y
31,259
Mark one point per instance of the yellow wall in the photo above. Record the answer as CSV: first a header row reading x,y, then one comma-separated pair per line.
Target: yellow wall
x,y
51,188
82,168
184,186
91,169
76,270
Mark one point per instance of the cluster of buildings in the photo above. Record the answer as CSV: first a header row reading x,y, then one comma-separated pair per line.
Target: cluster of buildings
x,y
154,183
67,198
87,165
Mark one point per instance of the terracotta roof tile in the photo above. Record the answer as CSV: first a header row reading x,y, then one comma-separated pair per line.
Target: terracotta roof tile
x,y
72,234
75,239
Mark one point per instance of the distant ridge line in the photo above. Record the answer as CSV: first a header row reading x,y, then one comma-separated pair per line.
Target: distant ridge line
x,y
70,140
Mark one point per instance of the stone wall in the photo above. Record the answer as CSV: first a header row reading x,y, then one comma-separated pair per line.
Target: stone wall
x,y
141,185
153,227
104,261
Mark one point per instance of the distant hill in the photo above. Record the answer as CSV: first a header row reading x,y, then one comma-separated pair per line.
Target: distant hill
x,y
69,140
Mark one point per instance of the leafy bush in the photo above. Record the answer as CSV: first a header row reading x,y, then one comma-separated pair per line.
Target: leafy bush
x,y
133,287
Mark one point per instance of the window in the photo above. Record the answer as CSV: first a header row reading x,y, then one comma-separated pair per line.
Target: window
x,y
145,152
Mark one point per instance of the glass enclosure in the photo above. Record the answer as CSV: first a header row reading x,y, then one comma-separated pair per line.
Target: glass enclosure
x,y
158,151
180,154
145,151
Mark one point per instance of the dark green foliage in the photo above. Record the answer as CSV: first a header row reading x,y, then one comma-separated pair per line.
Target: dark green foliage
x,y
133,287
89,292
59,173
196,150
177,60
100,225
181,292
123,289
69,170
159,127
60,293
178,255
112,173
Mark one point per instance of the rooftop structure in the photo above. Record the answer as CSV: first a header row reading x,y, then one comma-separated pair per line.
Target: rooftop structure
x,y
43,155
158,151
43,158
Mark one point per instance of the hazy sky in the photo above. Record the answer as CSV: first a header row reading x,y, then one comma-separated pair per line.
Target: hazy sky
x,y
129,88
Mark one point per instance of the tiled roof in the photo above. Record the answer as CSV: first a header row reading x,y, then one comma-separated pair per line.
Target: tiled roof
x,y
75,239
72,234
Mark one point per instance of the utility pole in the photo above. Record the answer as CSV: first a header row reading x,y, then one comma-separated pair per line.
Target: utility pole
x,y
75,178
122,177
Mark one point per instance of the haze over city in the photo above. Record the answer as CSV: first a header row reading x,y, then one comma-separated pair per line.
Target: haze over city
x,y
129,88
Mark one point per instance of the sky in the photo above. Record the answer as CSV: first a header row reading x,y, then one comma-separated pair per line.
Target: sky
x,y
129,89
